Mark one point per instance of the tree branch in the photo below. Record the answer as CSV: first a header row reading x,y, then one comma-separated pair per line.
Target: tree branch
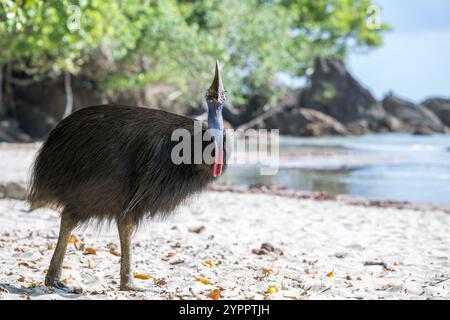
x,y
69,96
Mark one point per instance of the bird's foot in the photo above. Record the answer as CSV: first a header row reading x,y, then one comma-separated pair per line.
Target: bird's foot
x,y
58,284
130,286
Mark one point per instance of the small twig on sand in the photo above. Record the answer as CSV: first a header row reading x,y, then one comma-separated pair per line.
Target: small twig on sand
x,y
377,263
439,282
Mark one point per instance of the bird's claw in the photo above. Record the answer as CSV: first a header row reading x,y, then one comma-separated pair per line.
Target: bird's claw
x,y
130,286
58,284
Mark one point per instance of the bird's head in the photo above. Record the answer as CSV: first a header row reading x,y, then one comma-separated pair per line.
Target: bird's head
x,y
215,98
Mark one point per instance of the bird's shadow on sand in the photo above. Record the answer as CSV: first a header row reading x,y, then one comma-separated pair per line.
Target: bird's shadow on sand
x,y
37,291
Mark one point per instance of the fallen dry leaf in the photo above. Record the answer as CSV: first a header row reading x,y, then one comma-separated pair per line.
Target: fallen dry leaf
x,y
330,274
215,294
197,229
90,251
21,279
79,246
91,264
210,263
179,261
268,247
115,252
72,239
24,264
272,289
65,266
266,272
168,256
160,282
66,281
113,249
142,276
204,281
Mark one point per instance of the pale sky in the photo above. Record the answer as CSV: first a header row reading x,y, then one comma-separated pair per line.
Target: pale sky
x,y
414,61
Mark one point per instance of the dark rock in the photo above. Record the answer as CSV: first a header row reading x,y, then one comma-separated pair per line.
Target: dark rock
x,y
415,117
10,132
333,91
13,190
297,122
441,107
40,105
424,131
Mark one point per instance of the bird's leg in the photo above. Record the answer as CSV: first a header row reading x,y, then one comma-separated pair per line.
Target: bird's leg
x,y
52,279
126,228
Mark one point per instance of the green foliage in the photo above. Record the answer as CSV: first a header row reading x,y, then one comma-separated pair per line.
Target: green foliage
x,y
176,42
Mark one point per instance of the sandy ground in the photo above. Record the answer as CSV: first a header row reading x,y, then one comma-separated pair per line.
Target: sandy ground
x,y
321,250
231,245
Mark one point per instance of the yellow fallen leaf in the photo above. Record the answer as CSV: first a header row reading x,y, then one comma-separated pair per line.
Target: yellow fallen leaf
x,y
330,274
90,251
272,289
142,276
210,263
65,266
204,281
214,294
73,239
66,281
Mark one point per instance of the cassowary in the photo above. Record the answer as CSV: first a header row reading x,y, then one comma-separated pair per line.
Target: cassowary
x,y
114,163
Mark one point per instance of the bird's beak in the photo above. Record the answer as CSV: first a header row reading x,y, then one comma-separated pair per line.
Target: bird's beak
x,y
216,91
216,96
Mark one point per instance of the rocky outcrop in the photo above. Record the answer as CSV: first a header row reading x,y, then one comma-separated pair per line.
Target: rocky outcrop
x,y
332,103
333,91
10,132
40,105
441,107
414,117
13,190
298,122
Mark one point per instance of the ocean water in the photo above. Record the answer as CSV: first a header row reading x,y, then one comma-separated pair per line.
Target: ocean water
x,y
400,167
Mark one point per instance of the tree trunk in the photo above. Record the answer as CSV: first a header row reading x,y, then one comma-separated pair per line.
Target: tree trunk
x,y
8,102
69,95
2,112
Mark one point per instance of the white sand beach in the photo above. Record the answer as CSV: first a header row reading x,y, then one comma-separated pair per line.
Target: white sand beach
x,y
212,248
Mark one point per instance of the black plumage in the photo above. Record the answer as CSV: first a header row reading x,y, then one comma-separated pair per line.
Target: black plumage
x,y
104,162
115,163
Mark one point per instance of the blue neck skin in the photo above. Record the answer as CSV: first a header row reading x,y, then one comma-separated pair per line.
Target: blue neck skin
x,y
215,124
215,120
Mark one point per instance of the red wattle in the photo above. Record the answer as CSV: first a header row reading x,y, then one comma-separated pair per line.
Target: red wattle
x,y
218,161
217,169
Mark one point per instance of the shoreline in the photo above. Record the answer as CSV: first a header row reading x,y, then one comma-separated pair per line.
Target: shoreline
x,y
282,191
